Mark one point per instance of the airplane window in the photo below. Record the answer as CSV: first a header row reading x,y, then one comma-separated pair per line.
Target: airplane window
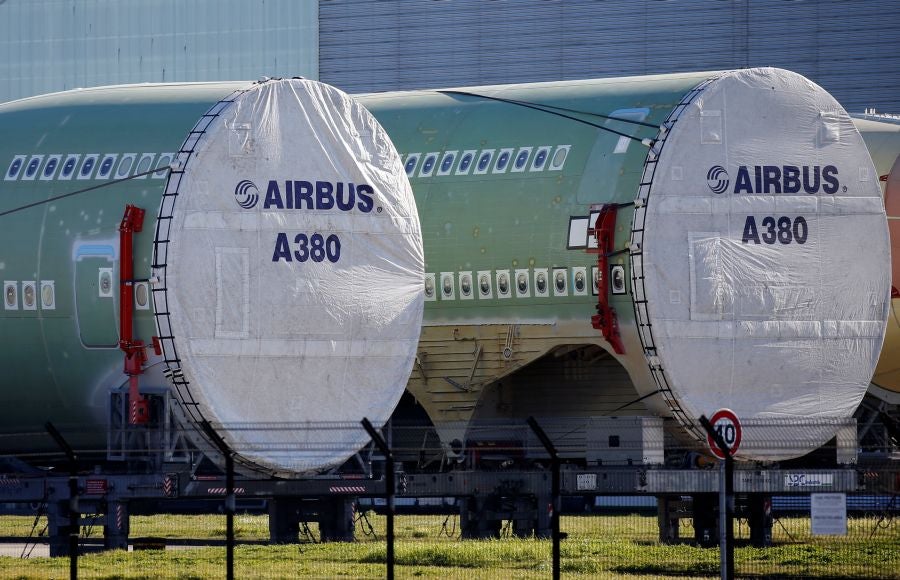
x,y
503,284
560,157
163,164
125,166
48,295
503,160
447,163
88,166
521,159
411,164
32,167
540,159
465,162
144,164
429,164
466,285
28,295
69,167
618,280
51,166
483,161
106,166
522,282
105,284
14,168
141,295
560,281
579,281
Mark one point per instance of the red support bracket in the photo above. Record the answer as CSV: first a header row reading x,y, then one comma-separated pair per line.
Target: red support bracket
x,y
604,231
135,355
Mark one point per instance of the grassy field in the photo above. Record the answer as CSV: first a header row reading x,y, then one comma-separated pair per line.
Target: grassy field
x,y
428,546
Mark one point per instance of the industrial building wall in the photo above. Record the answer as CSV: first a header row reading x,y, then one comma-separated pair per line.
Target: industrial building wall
x,y
850,48
53,45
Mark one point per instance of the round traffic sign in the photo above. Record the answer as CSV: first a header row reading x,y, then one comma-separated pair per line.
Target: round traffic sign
x,y
726,424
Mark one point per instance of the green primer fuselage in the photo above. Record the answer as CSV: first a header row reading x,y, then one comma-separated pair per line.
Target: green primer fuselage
x,y
61,362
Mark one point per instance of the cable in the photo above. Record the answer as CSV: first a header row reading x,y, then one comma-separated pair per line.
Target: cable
x,y
307,533
87,530
80,191
638,400
547,109
365,525
37,517
593,114
789,535
886,520
447,530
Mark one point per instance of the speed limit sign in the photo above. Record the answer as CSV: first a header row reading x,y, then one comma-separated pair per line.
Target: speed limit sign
x,y
726,424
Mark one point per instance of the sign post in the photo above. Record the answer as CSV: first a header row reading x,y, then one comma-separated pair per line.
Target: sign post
x,y
726,424
723,433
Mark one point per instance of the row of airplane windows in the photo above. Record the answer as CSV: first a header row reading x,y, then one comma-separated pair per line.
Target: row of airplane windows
x,y
29,295
88,166
518,283
47,301
481,162
122,165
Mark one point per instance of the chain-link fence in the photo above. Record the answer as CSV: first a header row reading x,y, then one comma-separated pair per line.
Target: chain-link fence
x,y
632,498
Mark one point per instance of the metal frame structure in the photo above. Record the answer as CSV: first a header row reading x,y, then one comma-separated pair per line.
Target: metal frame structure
x,y
162,471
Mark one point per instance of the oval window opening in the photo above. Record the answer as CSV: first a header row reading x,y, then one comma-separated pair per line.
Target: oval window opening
x,y
521,159
47,295
141,295
560,157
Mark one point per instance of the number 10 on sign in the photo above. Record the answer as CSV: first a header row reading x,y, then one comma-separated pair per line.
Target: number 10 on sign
x,y
726,424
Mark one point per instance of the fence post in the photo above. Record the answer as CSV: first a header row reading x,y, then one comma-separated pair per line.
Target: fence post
x,y
229,496
74,524
390,492
726,502
230,505
554,491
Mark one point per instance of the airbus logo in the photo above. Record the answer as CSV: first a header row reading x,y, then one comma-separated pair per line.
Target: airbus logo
x,y
769,179
246,194
319,196
717,179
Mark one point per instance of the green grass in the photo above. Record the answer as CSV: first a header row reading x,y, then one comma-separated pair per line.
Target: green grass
x,y
597,547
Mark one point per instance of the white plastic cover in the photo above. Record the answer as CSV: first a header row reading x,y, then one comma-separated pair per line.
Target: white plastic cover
x,y
294,275
765,256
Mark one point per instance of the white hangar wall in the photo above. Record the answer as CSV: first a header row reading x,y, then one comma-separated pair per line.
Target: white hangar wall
x,y
55,45
850,48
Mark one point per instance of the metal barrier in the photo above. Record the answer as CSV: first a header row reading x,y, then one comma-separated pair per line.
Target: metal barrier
x,y
556,502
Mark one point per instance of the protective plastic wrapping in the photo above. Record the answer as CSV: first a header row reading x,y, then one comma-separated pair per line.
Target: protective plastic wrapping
x,y
887,374
292,275
764,256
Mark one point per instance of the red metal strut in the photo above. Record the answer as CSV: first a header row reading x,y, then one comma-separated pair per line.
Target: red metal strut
x,y
135,356
605,321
